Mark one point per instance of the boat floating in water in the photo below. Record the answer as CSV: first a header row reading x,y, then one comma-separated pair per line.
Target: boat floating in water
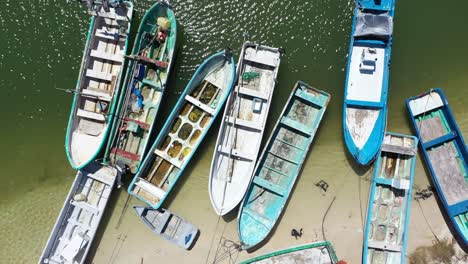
x,y
388,211
366,88
242,127
280,163
148,71
78,221
169,226
99,82
184,129
445,153
318,252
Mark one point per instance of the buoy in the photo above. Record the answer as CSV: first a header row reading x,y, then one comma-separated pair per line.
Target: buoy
x,y
80,197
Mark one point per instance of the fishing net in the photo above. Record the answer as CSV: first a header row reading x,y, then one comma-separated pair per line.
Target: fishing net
x,y
164,23
370,24
247,76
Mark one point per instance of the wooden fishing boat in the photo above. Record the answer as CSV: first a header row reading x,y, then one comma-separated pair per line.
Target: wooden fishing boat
x,y
388,212
445,153
280,163
78,221
242,127
98,84
148,71
184,129
168,225
366,88
318,252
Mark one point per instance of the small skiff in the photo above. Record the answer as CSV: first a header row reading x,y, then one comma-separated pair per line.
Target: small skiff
x,y
280,164
445,153
148,71
78,221
388,212
168,225
242,127
366,88
98,86
184,129
314,253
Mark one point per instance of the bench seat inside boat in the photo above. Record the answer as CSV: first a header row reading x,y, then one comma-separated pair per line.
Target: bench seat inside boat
x,y
90,115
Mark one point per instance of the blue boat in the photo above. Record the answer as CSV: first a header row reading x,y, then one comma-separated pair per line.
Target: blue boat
x,y
445,153
280,163
184,129
388,212
366,88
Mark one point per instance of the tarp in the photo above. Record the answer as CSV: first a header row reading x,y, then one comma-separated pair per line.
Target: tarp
x,y
370,24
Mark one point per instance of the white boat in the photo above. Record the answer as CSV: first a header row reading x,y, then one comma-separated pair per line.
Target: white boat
x,y
238,144
76,226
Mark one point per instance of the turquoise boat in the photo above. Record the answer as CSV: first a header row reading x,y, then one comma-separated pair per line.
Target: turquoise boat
x,y
184,129
445,153
99,83
367,77
280,163
388,212
148,71
318,252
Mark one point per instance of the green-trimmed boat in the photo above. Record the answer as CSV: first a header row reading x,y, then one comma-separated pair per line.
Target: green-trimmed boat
x,y
99,83
148,71
319,252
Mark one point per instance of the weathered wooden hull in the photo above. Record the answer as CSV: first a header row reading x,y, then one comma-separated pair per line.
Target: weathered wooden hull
x,y
318,252
183,132
388,211
280,163
366,86
445,153
168,226
238,144
79,219
140,100
98,86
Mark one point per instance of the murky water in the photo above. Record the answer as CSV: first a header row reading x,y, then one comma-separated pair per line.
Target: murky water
x,y
41,49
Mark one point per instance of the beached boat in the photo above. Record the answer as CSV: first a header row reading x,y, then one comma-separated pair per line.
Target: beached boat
x,y
78,221
280,163
318,252
366,88
98,86
168,225
388,212
184,129
242,127
445,153
148,70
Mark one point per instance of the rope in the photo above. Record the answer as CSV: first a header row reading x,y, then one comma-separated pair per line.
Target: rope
x,y
324,216
427,222
212,240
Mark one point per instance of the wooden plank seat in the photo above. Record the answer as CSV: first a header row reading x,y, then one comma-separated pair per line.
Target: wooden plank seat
x,y
108,15
253,93
107,56
125,154
244,123
143,125
290,123
440,140
399,149
279,190
74,222
364,104
236,153
268,61
319,100
91,115
86,207
107,179
200,105
109,34
150,188
100,94
148,61
258,217
99,75
164,155
384,246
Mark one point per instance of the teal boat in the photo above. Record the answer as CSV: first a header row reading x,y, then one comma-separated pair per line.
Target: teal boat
x,y
318,252
280,163
99,83
184,129
388,212
148,71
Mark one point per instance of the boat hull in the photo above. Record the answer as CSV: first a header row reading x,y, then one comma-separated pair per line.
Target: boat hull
x,y
280,164
184,129
445,154
388,211
238,143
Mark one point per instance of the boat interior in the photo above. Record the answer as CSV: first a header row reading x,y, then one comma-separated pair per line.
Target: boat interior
x,y
390,200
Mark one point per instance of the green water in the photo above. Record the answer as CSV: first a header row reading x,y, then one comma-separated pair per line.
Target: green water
x,y
42,44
